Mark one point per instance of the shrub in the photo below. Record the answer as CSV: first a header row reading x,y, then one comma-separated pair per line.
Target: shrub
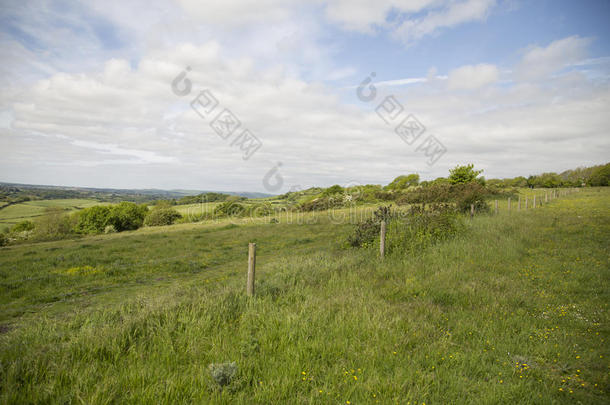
x,y
3,239
471,193
93,219
161,216
415,230
127,216
223,373
419,230
403,182
323,203
230,209
55,224
600,176
23,226
261,210
464,174
365,232
123,216
336,189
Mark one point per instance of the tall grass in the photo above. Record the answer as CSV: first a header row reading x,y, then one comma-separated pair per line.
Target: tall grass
x,y
512,310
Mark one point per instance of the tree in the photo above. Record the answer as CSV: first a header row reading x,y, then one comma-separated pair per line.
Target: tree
x,y
402,182
336,189
600,176
465,174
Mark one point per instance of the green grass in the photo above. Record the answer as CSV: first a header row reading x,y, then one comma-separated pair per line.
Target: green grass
x,y
31,209
513,311
196,209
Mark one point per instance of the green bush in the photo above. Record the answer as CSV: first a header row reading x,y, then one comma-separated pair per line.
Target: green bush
x,y
93,219
23,226
464,174
470,193
127,216
55,224
336,189
161,216
403,182
261,210
123,216
600,176
366,231
419,230
230,209
410,232
3,239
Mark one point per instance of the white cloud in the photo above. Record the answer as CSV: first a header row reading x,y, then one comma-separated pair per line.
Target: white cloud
x,y
112,119
453,14
539,63
364,15
472,77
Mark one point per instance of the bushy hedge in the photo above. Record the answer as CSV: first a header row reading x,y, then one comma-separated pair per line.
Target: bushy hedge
x,y
23,226
123,217
230,209
462,195
411,231
161,216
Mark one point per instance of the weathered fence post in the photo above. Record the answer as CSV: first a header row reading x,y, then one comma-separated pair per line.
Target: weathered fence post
x,y
534,204
508,204
471,210
496,207
251,268
525,203
519,204
382,240
546,196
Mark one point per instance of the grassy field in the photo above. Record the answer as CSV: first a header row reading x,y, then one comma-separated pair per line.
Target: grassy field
x,y
196,209
515,310
31,209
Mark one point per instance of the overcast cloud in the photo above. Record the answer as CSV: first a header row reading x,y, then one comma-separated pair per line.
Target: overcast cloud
x,y
87,91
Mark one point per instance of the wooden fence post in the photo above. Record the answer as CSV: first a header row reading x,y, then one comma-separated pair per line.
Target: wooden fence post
x,y
534,205
526,203
471,210
519,204
382,240
508,204
546,196
251,268
496,207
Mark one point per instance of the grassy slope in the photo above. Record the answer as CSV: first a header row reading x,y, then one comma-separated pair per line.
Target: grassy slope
x,y
453,325
31,209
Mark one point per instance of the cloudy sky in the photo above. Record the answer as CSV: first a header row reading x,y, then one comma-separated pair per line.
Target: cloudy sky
x,y
272,95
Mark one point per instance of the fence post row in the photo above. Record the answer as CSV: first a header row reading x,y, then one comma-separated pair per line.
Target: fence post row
x,y
251,268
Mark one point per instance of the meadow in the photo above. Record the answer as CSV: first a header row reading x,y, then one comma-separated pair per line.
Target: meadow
x,y
28,210
512,310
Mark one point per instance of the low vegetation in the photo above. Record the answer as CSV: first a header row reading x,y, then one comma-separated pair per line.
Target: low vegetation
x,y
500,308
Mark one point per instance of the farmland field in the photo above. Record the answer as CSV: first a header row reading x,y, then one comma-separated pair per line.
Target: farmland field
x,y
515,310
29,210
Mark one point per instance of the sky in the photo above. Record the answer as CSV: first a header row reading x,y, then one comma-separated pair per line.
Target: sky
x,y
281,95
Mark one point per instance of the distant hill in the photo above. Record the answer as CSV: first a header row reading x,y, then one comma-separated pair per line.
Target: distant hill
x,y
16,192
